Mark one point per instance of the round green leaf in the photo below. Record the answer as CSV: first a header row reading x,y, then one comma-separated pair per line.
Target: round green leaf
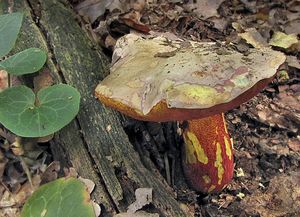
x,y
29,116
60,198
28,61
10,25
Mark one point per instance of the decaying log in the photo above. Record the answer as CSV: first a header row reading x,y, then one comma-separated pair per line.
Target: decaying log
x,y
95,144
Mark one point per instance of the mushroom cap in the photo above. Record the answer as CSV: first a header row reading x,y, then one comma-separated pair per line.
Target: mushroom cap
x,y
157,79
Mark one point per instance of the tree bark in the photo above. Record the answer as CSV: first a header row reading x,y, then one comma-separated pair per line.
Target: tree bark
x,y
95,143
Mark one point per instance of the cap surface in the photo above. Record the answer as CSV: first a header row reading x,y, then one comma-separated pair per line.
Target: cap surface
x,y
160,80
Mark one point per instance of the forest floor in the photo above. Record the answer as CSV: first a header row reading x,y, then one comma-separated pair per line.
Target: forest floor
x,y
265,130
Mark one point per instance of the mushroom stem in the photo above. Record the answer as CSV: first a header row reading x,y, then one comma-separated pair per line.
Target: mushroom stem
x,y
208,154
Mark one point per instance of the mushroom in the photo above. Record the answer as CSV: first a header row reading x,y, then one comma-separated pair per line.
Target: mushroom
x,y
158,79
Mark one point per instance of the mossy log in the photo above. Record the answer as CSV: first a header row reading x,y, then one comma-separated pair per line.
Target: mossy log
x,y
95,143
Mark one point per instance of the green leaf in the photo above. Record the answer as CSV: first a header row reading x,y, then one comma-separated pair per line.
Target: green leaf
x,y
29,116
60,198
10,25
25,62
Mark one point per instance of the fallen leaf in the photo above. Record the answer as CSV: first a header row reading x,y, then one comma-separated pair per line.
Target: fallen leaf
x,y
253,37
93,8
14,177
70,172
27,189
44,79
280,39
3,80
283,112
16,147
241,195
204,8
10,200
281,198
293,27
110,42
132,19
293,61
220,23
138,5
96,8
88,183
143,197
97,209
6,203
51,172
3,161
240,172
294,144
224,201
45,139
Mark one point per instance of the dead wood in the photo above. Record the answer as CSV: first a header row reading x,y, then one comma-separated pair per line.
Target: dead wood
x,y
95,144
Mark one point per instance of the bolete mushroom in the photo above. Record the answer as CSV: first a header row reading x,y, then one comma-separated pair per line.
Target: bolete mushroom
x,y
157,79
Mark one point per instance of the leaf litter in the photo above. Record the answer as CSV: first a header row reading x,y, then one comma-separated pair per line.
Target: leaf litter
x,y
143,197
266,129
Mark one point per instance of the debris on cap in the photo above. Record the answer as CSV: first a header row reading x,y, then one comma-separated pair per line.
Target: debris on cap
x,y
160,79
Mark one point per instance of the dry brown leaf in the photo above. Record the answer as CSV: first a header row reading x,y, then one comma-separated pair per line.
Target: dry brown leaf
x,y
204,8
10,200
294,144
96,8
284,111
51,172
45,138
93,8
88,183
3,161
220,23
27,189
143,197
97,209
132,19
281,198
253,37
10,212
3,80
110,42
293,27
224,200
70,172
138,5
44,79
293,61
